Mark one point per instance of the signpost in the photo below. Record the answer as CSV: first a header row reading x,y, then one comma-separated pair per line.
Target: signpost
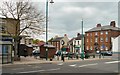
x,y
82,54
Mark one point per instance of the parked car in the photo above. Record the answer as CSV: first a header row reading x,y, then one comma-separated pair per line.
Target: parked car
x,y
107,53
36,52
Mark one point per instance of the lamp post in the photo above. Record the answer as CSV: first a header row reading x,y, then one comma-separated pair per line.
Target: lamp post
x,y
82,55
47,27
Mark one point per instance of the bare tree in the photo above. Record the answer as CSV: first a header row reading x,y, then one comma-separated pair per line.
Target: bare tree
x,y
27,16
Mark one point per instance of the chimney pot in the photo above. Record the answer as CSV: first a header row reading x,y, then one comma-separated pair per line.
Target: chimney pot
x,y
78,34
112,23
99,25
65,34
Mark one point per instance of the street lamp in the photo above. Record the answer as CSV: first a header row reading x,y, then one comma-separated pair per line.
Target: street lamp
x,y
47,26
82,55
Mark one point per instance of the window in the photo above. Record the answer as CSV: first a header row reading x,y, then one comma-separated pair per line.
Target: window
x,y
106,32
87,34
87,40
87,48
106,48
74,42
96,39
91,40
91,34
101,39
101,47
106,39
101,33
78,43
91,48
96,33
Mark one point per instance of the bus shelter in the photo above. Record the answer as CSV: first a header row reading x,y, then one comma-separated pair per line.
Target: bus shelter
x,y
6,52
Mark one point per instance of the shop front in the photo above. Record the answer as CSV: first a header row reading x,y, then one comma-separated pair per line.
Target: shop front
x,y
6,52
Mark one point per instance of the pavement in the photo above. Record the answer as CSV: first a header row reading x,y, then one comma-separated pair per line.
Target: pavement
x,y
32,60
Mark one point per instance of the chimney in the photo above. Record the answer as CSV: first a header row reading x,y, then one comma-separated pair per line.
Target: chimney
x,y
56,36
99,25
65,34
78,34
112,23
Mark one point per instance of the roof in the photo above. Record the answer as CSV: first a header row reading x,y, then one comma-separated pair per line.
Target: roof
x,y
6,42
107,27
57,39
45,45
41,43
71,40
78,37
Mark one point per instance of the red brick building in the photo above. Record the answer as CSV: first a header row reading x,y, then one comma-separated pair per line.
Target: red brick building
x,y
59,42
99,37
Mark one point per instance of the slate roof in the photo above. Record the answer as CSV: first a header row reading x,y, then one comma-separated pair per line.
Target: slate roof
x,y
71,40
107,27
57,39
78,37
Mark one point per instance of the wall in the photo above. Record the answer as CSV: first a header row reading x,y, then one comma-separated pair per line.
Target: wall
x,y
11,25
115,45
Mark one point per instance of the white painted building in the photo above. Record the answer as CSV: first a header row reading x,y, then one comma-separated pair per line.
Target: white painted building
x,y
116,44
76,43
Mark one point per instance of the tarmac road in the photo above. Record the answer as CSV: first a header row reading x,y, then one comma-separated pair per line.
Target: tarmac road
x,y
85,66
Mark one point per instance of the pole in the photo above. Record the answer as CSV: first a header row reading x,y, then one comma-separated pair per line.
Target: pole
x,y
46,29
82,56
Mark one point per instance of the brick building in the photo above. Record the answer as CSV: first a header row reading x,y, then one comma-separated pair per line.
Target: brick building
x,y
99,37
9,26
59,42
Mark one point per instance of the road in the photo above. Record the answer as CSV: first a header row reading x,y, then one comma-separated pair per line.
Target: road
x,y
85,66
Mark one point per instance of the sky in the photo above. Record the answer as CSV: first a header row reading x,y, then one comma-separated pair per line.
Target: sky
x,y
65,15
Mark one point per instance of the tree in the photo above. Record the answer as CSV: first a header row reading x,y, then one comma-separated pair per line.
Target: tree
x,y
26,15
36,41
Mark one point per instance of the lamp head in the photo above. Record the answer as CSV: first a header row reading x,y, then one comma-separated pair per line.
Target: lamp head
x,y
51,1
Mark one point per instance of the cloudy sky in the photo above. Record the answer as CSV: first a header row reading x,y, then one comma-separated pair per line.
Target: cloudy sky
x,y
65,15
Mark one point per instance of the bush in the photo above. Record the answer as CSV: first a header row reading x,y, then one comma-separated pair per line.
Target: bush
x,y
87,55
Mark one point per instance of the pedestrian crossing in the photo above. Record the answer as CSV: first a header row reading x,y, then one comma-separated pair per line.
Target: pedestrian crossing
x,y
86,65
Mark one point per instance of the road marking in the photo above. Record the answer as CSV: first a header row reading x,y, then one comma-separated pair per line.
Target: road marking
x,y
29,65
112,62
53,69
40,70
88,65
18,69
32,71
60,64
73,65
36,67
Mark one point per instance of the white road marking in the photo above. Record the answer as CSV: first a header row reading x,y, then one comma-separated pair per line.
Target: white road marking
x,y
40,70
73,65
111,62
29,65
18,69
53,69
88,65
60,64
36,67
32,71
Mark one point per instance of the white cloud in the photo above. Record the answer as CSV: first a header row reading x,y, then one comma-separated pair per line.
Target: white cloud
x,y
65,17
